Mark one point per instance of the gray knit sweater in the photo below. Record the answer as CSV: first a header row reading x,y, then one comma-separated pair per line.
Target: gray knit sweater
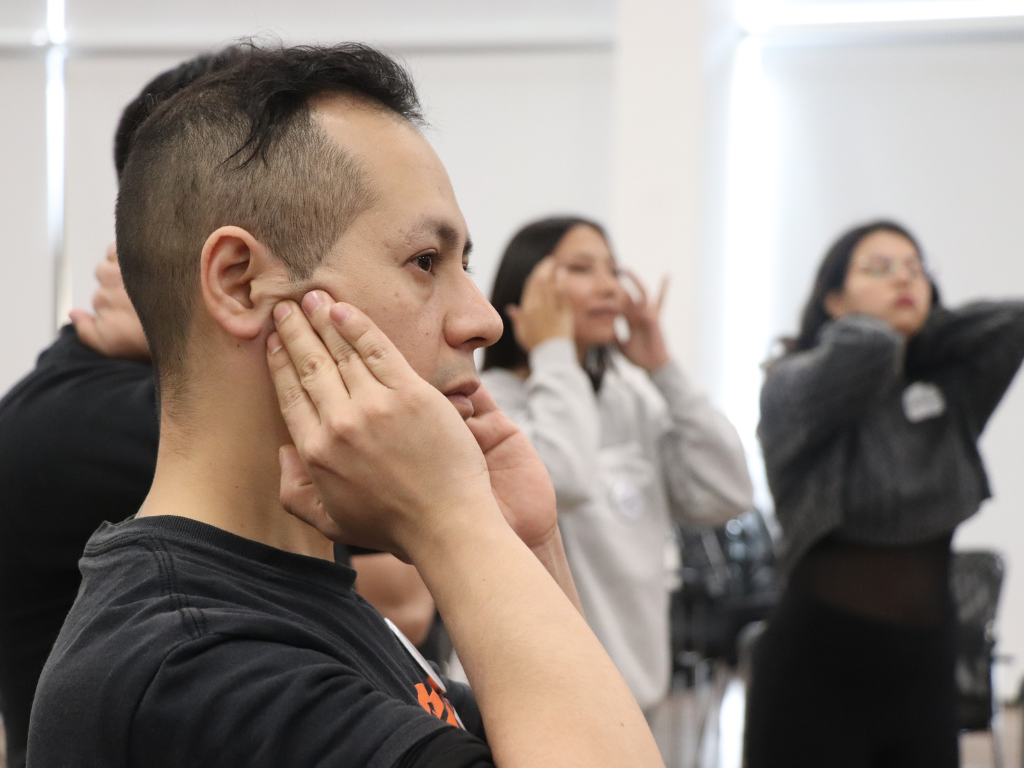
x,y
875,440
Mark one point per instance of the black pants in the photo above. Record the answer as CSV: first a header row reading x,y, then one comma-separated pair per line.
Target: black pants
x,y
834,690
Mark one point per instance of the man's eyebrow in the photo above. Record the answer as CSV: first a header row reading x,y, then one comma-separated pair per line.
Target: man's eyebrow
x,y
447,234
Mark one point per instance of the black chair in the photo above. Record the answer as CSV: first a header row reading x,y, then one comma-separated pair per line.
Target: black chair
x,y
976,579
729,580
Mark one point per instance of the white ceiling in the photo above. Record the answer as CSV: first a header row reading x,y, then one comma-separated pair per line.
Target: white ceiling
x,y
130,23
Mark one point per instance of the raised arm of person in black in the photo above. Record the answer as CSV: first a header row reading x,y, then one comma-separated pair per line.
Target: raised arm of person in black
x,y
979,347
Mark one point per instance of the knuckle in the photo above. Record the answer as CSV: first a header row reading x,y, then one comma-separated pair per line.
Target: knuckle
x,y
375,351
345,355
316,453
291,398
340,426
309,367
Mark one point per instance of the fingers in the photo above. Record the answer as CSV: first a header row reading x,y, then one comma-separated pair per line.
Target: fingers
x,y
300,414
483,401
375,350
299,496
108,273
318,306
639,286
662,292
542,276
310,359
85,326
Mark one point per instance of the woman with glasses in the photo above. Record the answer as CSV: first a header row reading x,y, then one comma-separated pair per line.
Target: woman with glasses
x,y
869,426
629,441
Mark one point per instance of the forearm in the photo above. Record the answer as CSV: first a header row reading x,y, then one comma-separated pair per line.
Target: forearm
x,y
808,396
702,455
562,419
548,692
551,555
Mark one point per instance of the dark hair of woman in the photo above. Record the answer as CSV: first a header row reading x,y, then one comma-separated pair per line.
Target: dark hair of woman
x,y
832,276
529,245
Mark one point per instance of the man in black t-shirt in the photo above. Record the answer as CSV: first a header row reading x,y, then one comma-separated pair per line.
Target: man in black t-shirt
x,y
214,628
78,445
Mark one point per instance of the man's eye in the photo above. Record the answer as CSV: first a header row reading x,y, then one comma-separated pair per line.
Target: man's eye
x,y
425,261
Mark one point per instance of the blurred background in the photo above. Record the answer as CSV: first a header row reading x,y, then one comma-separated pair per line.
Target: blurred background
x,y
726,143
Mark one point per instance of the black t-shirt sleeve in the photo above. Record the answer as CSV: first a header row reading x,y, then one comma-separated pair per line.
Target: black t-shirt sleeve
x,y
450,748
462,699
221,701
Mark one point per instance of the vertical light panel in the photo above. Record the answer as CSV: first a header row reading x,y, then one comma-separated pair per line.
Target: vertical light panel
x,y
56,56
749,273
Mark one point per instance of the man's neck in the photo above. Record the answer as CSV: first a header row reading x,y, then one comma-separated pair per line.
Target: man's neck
x,y
218,465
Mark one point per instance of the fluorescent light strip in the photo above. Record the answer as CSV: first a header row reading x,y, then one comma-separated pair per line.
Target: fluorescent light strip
x,y
55,22
752,179
760,16
55,166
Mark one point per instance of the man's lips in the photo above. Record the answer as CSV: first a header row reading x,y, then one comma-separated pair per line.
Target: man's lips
x,y
905,301
459,396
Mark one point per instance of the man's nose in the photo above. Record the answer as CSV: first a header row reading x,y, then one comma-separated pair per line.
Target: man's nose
x,y
472,321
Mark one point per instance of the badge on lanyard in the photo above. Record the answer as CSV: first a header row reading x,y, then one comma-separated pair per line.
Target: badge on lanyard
x,y
433,700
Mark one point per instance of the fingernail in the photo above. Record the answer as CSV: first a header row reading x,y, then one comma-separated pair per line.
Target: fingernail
x,y
273,343
339,314
281,311
311,302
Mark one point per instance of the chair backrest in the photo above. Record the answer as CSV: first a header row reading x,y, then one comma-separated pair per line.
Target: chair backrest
x,y
975,580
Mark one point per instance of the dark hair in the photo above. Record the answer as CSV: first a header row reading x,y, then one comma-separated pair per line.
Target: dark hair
x,y
832,276
241,146
161,88
529,245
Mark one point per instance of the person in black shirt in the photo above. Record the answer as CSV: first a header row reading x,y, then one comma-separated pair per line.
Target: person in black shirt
x,y
78,445
213,627
74,453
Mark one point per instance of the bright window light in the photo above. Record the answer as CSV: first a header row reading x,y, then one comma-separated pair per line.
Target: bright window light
x,y
55,22
752,180
759,16
55,140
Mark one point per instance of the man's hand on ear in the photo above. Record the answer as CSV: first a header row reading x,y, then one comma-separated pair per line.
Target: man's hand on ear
x,y
381,459
114,331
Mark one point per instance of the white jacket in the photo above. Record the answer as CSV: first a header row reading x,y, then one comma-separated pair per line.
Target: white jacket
x,y
625,462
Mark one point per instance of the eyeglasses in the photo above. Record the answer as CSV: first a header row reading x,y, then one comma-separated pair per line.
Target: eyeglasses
x,y
883,267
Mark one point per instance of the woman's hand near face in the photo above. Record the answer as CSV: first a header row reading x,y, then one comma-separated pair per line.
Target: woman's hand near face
x,y
646,346
543,313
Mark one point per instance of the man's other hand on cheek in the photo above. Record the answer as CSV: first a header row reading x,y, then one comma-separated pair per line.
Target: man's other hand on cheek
x,y
380,459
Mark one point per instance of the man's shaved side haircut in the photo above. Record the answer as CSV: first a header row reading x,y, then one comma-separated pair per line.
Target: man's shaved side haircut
x,y
161,88
242,147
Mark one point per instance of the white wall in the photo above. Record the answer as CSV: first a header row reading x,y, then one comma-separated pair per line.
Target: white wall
x,y
26,270
522,133
518,98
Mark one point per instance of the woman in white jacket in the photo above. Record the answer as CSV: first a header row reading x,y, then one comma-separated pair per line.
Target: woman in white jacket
x,y
629,443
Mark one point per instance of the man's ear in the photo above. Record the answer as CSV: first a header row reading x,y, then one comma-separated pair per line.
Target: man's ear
x,y
234,270
835,304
